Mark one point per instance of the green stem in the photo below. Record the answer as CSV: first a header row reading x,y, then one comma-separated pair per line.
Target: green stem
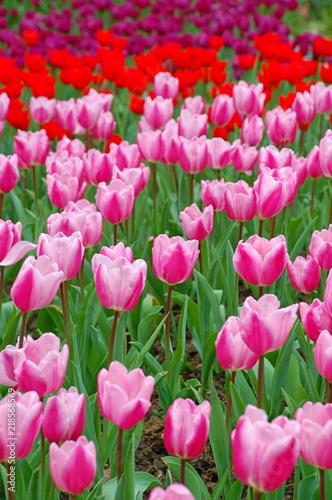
x,y
183,471
52,491
301,141
168,328
260,381
200,258
229,401
272,226
240,231
112,339
260,291
312,196
218,174
35,188
191,188
330,204
72,497
119,454
115,234
22,331
64,302
175,179
321,126
260,227
42,462
257,495
10,487
154,187
25,189
322,484
80,279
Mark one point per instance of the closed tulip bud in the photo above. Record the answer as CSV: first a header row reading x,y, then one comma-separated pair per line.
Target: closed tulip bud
x,y
27,413
31,148
173,259
124,397
323,355
63,188
281,126
42,109
271,157
240,201
325,155
304,274
264,453
104,127
192,125
260,261
66,116
213,193
320,247
73,147
197,225
127,156
328,294
64,416
89,222
252,130
173,492
73,465
248,99
314,168
322,97
158,111
113,252
316,434
4,106
9,173
36,284
265,327
88,110
304,107
186,428
244,157
271,196
98,167
232,352
166,85
137,177
195,104
115,200
12,249
222,110
193,154
315,318
171,146
151,145
219,153
42,368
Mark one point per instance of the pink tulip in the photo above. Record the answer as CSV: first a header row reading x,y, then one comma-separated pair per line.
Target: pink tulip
x,y
322,97
289,182
36,284
41,109
244,157
248,99
26,410
314,169
98,167
222,110
89,108
328,294
232,353
195,104
66,251
260,261
193,154
119,283
304,107
105,98
186,428
166,85
127,156
281,126
113,252
150,144
9,172
31,148
4,106
271,195
63,188
316,434
192,125
173,492
320,247
325,155
271,157
66,116
264,453
73,465
124,397
115,200
173,259
73,147
40,365
252,130
219,153
304,274
213,193
197,225
323,355
265,327
240,201
88,221
315,318
158,111
62,163
299,166
12,249
137,177
171,145
64,416
104,127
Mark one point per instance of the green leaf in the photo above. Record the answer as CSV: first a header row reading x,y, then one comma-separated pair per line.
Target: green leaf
x,y
307,487
129,470
220,486
142,480
95,494
293,385
235,492
146,324
11,329
178,356
194,481
209,357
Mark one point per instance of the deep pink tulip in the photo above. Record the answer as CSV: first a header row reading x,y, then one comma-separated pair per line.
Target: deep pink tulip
x,y
36,284
232,353
119,283
40,365
42,109
299,166
171,145
193,154
244,157
4,106
158,111
166,85
192,125
62,162
113,252
323,355
173,492
197,225
195,104
66,251
248,99
325,155
186,428
9,173
26,410
240,201
304,107
151,145
73,465
115,200
98,167
12,249
328,294
219,153
289,181
88,220
281,126
322,97
63,188
31,148
137,177
271,195
89,109
316,433
127,155
64,416
314,169
124,397
222,110
104,127
252,130
73,147
265,327
66,116
213,193
173,259
264,453
271,157
304,274
315,318
320,247
260,261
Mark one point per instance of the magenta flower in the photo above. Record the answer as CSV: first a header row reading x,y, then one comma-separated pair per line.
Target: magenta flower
x,y
197,225
115,200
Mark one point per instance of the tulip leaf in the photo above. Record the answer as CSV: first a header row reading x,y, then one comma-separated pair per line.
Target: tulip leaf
x,y
219,438
235,493
209,357
20,214
225,478
178,357
207,302
11,329
146,324
238,405
193,480
245,391
33,484
96,493
307,487
142,480
144,349
129,470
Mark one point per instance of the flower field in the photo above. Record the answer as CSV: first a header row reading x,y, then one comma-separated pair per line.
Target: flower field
x,y
165,251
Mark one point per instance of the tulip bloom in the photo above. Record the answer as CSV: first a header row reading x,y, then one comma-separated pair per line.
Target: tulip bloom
x,y
193,154
196,224
260,261
98,167
248,99
9,173
315,318
304,274
158,111
124,397
73,147
137,177
115,200
323,355
31,148
195,104
166,85
73,465
63,188
213,193
304,107
325,155
64,416
42,109
192,125
186,428
127,155
264,453
151,145
173,492
281,126
104,127
252,130
240,201
12,249
113,252
219,153
222,110
271,195
320,247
